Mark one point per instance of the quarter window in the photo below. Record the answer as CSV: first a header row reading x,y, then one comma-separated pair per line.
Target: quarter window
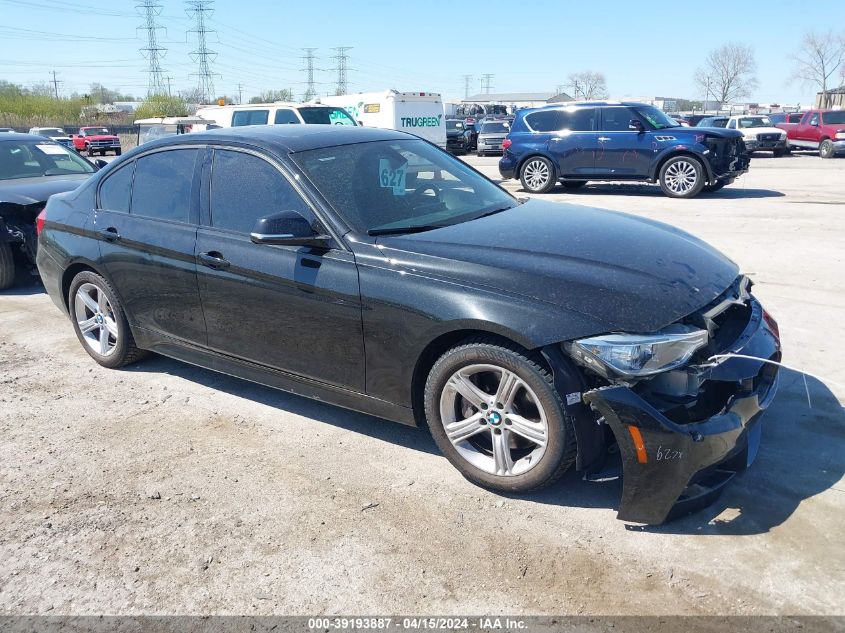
x,y
249,117
245,187
115,190
285,116
545,121
163,184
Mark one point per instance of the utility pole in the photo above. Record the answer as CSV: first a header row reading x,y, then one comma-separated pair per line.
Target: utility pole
x,y
201,10
310,91
150,10
485,82
240,93
342,69
467,82
55,85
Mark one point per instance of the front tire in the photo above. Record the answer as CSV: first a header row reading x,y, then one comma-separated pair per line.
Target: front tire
x,y
100,323
826,148
779,152
537,175
90,150
7,266
682,177
494,413
117,152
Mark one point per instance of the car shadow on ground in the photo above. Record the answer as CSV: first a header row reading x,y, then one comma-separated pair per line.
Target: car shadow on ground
x,y
378,428
800,456
735,190
25,284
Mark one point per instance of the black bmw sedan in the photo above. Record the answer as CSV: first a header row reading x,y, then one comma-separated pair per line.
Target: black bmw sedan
x,y
371,269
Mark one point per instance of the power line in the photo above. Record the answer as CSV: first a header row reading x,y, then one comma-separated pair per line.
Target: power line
x,y
310,91
342,69
150,10
201,11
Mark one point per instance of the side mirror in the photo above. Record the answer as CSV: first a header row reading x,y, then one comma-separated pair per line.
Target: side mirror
x,y
100,163
636,124
287,228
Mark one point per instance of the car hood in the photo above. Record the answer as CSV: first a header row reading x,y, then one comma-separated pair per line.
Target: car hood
x,y
752,132
100,137
721,132
25,191
454,133
630,273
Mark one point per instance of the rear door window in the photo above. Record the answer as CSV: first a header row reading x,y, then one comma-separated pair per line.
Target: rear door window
x,y
163,185
285,116
250,117
116,189
582,120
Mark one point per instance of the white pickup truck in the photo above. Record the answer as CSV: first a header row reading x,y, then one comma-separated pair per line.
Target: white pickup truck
x,y
759,133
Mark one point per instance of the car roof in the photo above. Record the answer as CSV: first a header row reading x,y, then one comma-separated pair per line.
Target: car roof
x,y
287,138
18,136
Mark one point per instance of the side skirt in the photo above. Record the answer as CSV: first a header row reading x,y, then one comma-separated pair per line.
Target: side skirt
x,y
269,377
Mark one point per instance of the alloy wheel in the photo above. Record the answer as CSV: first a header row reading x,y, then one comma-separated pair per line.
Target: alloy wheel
x,y
536,174
494,419
96,319
681,177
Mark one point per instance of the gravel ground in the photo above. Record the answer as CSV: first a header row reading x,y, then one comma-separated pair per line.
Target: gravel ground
x,y
167,489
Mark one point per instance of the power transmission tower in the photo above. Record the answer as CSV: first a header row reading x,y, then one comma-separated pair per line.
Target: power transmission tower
x,y
467,82
342,68
56,85
201,10
310,91
485,83
150,10
169,79
240,93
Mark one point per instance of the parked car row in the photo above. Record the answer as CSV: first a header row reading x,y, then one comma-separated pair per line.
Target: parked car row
x,y
369,269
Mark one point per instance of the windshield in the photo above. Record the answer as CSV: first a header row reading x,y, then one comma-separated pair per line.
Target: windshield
x,y
657,118
495,126
33,159
754,121
400,186
326,116
453,125
834,117
51,131
96,131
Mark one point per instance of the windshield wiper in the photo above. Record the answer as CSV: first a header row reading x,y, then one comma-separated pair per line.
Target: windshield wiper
x,y
398,230
493,212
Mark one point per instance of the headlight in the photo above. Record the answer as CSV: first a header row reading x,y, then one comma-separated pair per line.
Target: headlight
x,y
840,135
637,355
782,135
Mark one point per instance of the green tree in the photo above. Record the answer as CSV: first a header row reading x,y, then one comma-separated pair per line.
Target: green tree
x,y
161,105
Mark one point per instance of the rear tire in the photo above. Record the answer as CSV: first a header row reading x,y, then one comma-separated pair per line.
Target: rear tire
x,y
100,323
682,177
826,148
7,266
537,175
574,184
524,442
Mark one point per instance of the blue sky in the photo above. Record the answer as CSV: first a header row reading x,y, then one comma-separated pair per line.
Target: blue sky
x,y
648,48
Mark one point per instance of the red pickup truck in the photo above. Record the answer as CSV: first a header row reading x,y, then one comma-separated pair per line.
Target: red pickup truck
x,y
822,130
96,140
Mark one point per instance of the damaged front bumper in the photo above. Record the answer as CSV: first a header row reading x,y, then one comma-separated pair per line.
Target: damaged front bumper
x,y
671,467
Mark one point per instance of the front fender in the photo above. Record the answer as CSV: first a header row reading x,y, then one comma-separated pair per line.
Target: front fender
x,y
693,149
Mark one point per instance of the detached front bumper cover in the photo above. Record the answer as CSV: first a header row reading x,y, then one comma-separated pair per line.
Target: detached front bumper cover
x,y
671,468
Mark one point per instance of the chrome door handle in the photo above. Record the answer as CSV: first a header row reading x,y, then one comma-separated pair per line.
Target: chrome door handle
x,y
604,138
213,260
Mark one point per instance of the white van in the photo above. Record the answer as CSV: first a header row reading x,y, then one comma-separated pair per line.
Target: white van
x,y
279,113
419,113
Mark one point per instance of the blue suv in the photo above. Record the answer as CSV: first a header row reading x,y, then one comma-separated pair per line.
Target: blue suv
x,y
574,143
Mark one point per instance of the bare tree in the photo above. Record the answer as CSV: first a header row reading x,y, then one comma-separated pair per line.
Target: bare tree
x,y
818,59
587,85
729,73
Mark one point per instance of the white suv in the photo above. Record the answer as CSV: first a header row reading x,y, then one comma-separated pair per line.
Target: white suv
x,y
759,133
54,134
280,113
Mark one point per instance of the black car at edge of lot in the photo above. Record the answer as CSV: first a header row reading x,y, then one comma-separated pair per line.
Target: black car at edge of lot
x,y
456,136
612,141
32,168
372,270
